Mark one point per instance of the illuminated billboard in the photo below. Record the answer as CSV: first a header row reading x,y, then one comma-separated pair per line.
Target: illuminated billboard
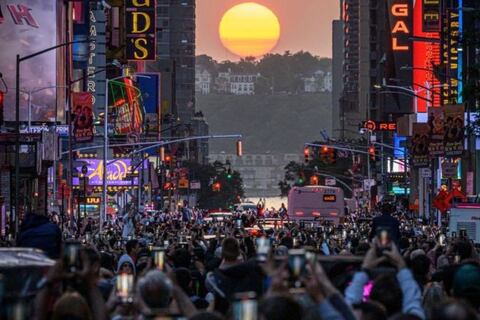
x,y
426,55
28,26
117,171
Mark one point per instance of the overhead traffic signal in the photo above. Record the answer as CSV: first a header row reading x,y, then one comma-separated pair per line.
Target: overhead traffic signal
x,y
239,148
371,153
229,174
306,154
216,187
328,155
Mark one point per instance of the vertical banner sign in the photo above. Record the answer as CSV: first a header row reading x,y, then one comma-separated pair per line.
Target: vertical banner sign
x,y
419,144
454,130
436,124
97,59
399,32
426,55
140,20
83,116
431,16
450,57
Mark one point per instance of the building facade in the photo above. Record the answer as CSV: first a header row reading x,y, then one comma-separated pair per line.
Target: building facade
x,y
203,81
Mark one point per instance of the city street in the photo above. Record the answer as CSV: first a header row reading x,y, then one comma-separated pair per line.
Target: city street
x,y
235,160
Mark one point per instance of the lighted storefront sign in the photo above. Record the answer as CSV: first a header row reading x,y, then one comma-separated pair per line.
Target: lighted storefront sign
x,y
116,172
380,125
140,16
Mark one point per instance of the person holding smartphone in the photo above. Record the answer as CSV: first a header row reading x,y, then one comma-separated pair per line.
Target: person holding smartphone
x,y
411,295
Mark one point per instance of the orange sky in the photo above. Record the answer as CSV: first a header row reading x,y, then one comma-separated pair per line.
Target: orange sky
x,y
305,25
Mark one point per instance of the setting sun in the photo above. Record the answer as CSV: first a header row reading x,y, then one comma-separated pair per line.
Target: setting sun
x,y
249,29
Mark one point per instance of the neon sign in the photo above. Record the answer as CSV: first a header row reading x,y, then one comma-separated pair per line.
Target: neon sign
x,y
400,30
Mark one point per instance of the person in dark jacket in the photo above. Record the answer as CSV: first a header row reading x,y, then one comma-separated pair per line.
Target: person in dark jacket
x,y
386,221
38,232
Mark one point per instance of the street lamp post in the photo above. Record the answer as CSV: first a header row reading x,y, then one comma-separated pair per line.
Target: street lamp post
x,y
18,61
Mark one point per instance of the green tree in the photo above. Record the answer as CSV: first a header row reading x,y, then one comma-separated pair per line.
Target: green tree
x,y
231,188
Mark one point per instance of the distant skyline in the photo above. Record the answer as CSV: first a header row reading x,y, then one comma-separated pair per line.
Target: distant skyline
x,y
305,25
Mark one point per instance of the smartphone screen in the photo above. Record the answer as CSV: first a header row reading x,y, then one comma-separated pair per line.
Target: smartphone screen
x,y
441,240
296,265
124,286
384,240
263,248
159,259
71,256
245,306
238,223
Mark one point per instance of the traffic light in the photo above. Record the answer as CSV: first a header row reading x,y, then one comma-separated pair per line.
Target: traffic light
x,y
229,174
314,180
371,153
306,154
161,154
328,155
216,187
239,148
168,160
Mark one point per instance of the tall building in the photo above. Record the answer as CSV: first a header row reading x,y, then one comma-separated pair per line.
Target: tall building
x,y
176,57
337,82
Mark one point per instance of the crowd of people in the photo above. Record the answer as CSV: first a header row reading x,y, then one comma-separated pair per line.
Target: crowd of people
x,y
185,265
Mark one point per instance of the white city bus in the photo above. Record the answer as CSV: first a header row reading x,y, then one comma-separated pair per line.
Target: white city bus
x,y
316,203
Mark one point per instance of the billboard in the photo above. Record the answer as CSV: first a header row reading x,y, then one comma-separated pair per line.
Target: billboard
x,y
419,144
426,55
450,54
116,172
436,124
454,130
140,21
29,26
127,106
82,105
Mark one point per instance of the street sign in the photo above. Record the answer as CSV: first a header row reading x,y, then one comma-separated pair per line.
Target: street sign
x,y
449,170
330,182
425,172
195,185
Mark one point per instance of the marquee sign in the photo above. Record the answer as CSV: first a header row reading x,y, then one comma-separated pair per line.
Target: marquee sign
x,y
117,172
140,16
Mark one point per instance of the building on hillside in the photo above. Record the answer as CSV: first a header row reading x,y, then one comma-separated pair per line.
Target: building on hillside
x,y
319,81
260,173
203,80
236,84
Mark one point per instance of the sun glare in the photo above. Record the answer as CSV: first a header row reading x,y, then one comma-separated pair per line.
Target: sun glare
x,y
249,29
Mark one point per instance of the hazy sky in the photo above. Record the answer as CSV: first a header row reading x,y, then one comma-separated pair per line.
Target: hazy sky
x,y
305,25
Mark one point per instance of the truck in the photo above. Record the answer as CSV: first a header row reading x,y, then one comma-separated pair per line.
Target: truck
x,y
465,216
